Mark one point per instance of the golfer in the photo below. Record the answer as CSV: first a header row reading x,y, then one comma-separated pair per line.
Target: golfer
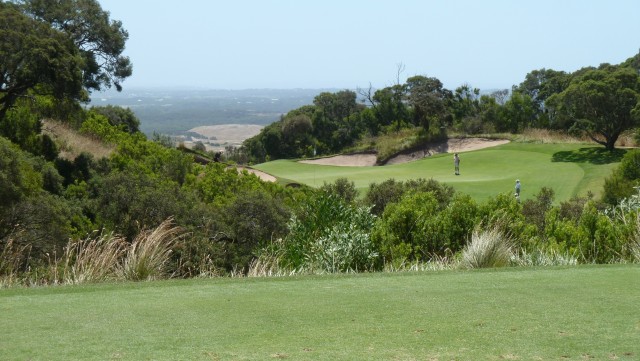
x,y
456,163
518,188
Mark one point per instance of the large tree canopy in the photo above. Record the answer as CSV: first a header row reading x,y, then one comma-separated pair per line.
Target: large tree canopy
x,y
429,100
603,102
35,57
100,40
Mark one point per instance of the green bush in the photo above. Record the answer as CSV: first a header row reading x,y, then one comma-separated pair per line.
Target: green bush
x,y
400,232
449,230
328,235
380,195
619,185
250,222
341,188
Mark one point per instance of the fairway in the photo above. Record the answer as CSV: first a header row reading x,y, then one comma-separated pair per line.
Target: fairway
x,y
587,312
569,169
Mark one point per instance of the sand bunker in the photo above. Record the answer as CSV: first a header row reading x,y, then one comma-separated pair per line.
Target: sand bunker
x,y
349,160
455,145
262,175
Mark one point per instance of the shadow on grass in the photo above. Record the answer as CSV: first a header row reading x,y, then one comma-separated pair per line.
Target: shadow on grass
x,y
594,155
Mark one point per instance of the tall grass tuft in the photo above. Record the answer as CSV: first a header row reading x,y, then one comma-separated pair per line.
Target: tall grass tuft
x,y
92,260
269,264
634,244
148,256
488,248
12,259
540,257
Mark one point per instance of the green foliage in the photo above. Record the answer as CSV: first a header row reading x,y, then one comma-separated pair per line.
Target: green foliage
x,y
419,227
99,39
121,118
620,184
390,191
43,222
18,176
254,219
399,235
328,235
601,102
534,210
217,184
99,126
341,188
128,202
35,58
517,114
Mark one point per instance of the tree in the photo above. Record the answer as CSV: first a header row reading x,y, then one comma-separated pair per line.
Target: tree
x,y
543,83
35,58
429,100
517,113
120,117
100,40
602,102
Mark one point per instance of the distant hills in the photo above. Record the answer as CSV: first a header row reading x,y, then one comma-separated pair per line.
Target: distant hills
x,y
176,111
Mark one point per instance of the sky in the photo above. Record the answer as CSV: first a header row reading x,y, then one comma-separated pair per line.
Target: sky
x,y
350,44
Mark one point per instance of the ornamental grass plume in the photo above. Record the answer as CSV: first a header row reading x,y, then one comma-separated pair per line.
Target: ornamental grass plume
x,y
488,248
92,260
148,256
12,260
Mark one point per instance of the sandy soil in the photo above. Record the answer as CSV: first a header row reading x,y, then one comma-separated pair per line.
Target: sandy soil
x,y
457,145
228,132
224,135
262,175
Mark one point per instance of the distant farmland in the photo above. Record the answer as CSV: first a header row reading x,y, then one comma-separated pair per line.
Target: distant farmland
x,y
175,112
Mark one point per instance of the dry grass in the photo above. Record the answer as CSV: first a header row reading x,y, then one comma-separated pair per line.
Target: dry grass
x,y
149,254
12,258
388,144
72,143
92,260
546,136
634,244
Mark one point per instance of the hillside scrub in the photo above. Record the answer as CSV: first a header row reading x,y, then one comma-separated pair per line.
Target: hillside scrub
x,y
54,204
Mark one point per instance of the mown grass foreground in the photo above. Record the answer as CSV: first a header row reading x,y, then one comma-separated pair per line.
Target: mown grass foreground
x,y
577,313
569,169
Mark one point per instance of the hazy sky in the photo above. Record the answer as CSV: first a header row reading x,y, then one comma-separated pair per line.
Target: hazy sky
x,y
489,44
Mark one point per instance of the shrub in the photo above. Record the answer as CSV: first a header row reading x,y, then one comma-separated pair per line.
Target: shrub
x,y
250,222
534,210
390,191
621,182
341,188
400,232
449,230
328,235
379,195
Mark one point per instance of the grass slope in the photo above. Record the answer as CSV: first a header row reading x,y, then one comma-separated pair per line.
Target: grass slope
x,y
588,312
570,169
